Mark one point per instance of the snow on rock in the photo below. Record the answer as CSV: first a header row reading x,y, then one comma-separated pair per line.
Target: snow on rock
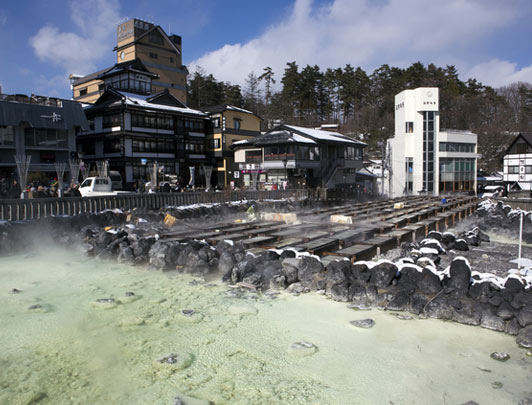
x,y
428,251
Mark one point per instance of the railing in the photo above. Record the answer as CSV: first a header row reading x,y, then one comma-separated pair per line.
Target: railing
x,y
36,208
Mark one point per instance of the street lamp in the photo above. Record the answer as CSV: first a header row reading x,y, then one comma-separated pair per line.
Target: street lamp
x,y
285,161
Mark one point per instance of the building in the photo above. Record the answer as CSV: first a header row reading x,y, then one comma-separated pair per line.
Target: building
x,y
44,128
298,157
131,128
230,124
518,163
144,41
424,158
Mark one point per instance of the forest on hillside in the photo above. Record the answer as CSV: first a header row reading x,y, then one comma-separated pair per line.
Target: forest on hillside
x,y
363,104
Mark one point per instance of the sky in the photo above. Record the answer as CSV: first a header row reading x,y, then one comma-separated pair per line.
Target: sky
x,y
42,42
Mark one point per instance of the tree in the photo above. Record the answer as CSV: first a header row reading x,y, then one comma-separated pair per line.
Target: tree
x,y
252,93
268,79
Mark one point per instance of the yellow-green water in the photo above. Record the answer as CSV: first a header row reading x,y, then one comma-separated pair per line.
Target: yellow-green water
x,y
74,350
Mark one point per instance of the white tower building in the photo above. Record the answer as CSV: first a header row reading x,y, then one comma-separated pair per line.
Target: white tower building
x,y
423,158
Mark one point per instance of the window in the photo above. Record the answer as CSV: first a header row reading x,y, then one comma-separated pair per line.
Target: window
x,y
47,156
101,87
83,92
215,143
236,123
171,60
149,145
513,169
216,122
111,146
153,55
46,138
87,148
7,137
112,120
457,147
409,127
253,156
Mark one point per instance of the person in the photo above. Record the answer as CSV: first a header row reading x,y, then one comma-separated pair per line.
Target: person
x,y
15,190
75,191
40,192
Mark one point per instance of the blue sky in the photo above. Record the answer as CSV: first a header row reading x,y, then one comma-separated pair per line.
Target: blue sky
x,y
41,42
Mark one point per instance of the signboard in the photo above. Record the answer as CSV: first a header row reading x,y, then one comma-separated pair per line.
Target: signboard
x,y
236,175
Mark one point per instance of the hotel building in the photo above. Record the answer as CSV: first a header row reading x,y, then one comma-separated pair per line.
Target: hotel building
x,y
144,41
423,157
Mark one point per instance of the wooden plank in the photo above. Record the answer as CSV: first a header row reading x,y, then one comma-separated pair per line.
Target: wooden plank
x,y
230,236
308,236
257,241
348,238
284,243
357,252
319,245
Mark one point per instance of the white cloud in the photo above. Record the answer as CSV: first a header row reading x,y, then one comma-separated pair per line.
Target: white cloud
x,y
364,33
499,73
78,52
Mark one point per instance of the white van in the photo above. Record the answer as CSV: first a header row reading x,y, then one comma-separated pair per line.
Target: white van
x,y
116,178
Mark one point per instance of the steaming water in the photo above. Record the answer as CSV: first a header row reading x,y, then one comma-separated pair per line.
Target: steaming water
x,y
231,350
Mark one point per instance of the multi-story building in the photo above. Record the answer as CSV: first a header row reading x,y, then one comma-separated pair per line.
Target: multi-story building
x,y
424,158
518,163
129,127
229,124
159,52
295,156
41,127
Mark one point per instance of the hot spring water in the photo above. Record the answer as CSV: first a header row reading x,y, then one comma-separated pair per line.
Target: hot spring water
x,y
165,336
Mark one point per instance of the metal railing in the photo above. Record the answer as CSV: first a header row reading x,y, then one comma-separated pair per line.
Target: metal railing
x,y
36,208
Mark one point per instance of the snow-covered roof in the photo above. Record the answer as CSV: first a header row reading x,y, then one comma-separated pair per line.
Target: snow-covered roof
x,y
141,101
233,108
324,135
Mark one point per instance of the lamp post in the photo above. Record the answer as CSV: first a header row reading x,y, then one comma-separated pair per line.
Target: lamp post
x,y
285,161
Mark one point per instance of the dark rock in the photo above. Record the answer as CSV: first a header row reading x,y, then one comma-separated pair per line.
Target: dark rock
x,y
513,285
399,302
188,312
460,244
417,303
512,327
363,323
269,255
336,272
496,300
467,314
289,269
14,291
35,306
439,308
505,311
226,261
524,337
425,281
357,292
435,235
106,300
307,267
460,277
278,282
340,292
129,294
492,322
478,290
382,274
295,288
287,254
524,316
196,264
125,254
364,274
448,239
157,255
500,356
